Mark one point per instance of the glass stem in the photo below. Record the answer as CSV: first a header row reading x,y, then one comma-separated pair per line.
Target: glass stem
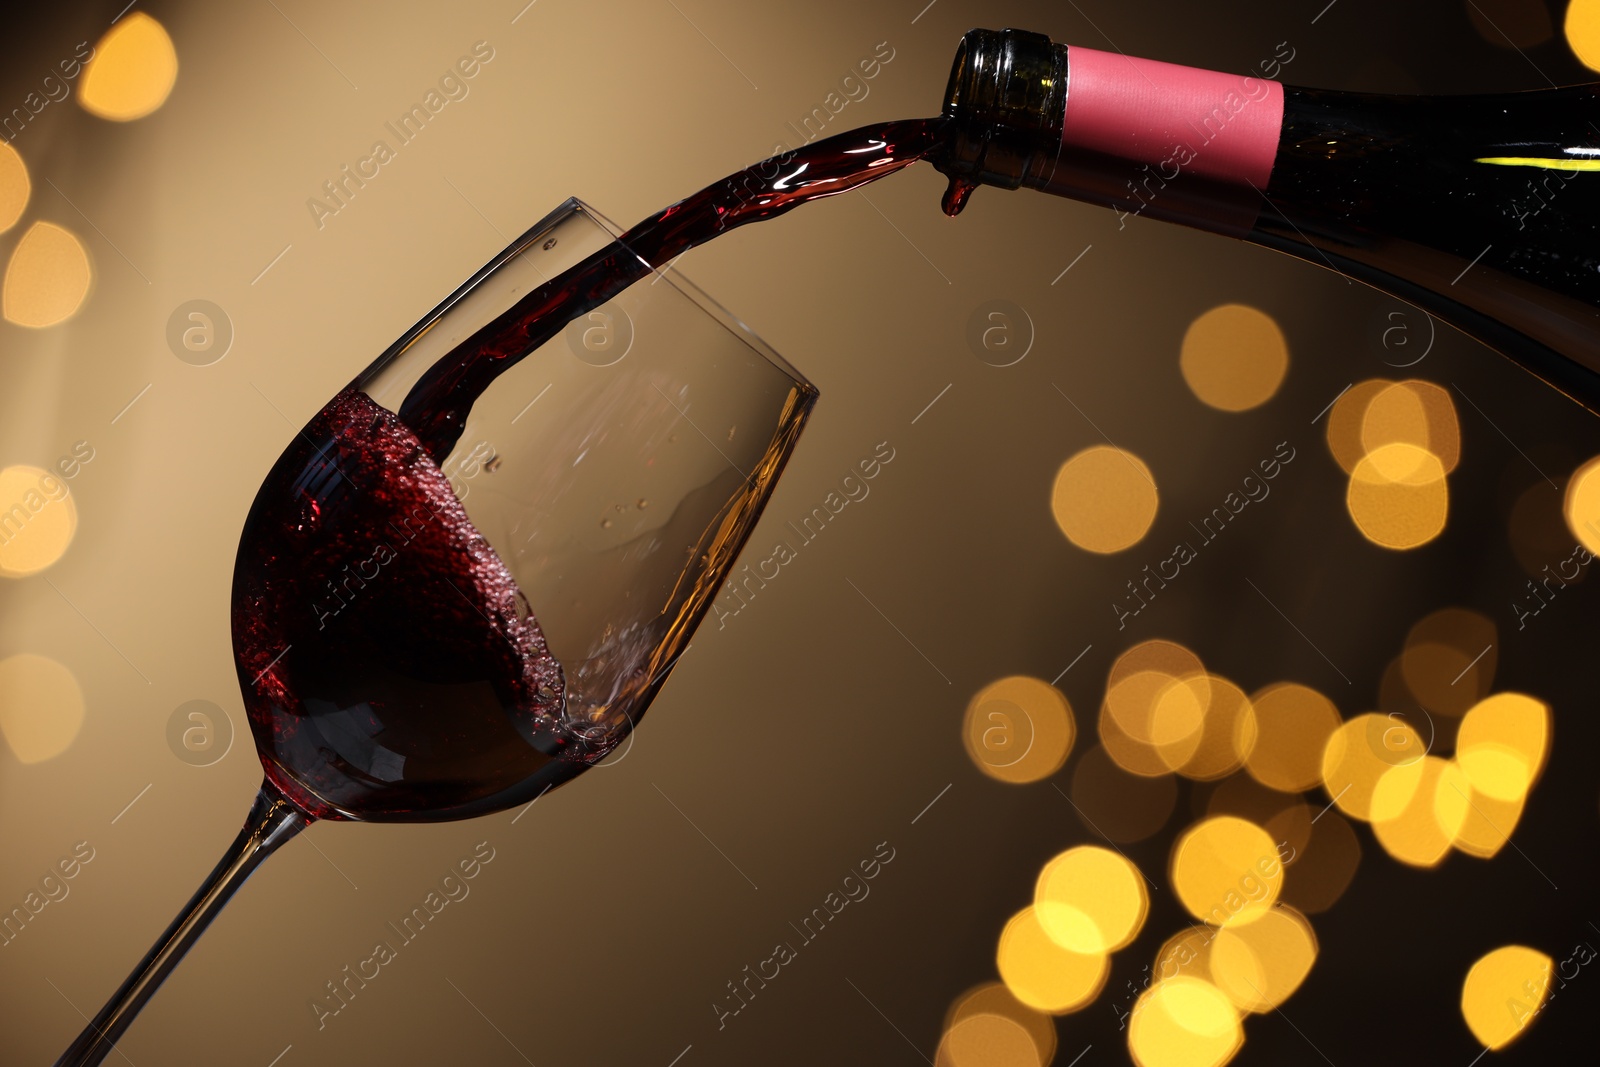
x,y
273,820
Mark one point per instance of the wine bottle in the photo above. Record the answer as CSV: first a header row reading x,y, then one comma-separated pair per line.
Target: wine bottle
x,y
1479,209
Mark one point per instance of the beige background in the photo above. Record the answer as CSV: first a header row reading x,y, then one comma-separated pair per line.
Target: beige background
x,y
807,730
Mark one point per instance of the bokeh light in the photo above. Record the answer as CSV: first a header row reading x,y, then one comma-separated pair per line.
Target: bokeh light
x,y
1582,29
1158,655
1104,499
1582,504
41,707
1324,869
1184,1022
1018,729
1187,952
1091,900
1360,752
1293,723
1398,497
1226,870
1227,732
1161,713
1345,421
1259,965
1511,24
987,1040
1503,992
14,186
133,70
1123,807
47,278
1416,413
1540,539
1043,975
1156,703
1488,826
1450,659
1234,357
993,998
1135,757
1418,810
37,520
1502,745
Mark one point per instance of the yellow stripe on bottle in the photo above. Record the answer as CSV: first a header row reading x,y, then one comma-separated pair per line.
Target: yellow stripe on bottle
x,y
1569,165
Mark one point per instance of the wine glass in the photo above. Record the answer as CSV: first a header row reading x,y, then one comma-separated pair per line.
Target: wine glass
x,y
423,637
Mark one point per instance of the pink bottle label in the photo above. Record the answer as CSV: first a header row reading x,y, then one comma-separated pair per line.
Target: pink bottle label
x,y
1176,120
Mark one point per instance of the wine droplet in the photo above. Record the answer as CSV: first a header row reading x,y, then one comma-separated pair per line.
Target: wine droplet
x,y
493,464
643,503
605,524
955,196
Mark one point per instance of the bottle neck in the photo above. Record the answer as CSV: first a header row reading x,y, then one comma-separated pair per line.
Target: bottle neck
x,y
1110,129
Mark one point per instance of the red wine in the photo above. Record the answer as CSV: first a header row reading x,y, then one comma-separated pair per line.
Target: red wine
x,y
391,668
438,404
392,664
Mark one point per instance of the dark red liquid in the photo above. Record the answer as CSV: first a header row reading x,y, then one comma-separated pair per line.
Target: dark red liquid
x,y
391,668
438,404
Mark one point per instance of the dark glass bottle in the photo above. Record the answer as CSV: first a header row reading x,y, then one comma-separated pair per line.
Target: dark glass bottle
x,y
1479,209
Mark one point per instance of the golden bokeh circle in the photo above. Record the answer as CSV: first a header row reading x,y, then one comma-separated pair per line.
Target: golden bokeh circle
x,y
1160,710
41,707
1502,745
1156,702
1345,420
1234,357
38,519
1259,965
1360,752
1502,993
985,1039
1187,952
1398,497
1582,503
993,998
47,278
1416,413
132,71
1418,815
1582,30
1104,499
1090,900
14,186
1018,729
1184,1022
1226,870
1488,826
1227,732
1043,975
1293,723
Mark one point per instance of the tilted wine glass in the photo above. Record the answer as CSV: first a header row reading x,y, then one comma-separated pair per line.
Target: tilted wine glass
x,y
392,664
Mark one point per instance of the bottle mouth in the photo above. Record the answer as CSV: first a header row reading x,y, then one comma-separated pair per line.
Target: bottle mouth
x,y
1004,105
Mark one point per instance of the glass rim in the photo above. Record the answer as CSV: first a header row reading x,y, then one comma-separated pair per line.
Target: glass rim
x,y
568,208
